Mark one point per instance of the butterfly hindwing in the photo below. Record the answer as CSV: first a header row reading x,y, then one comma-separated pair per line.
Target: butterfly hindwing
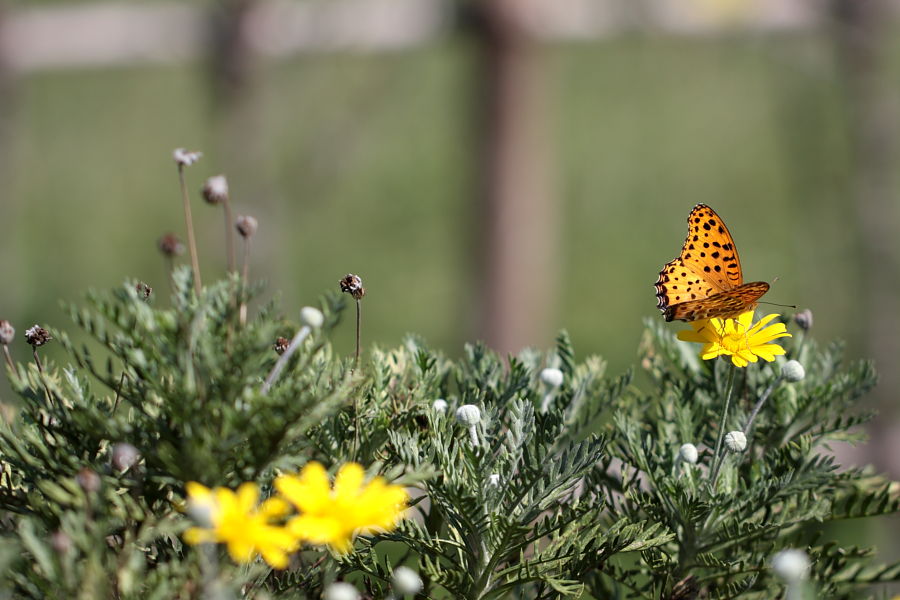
x,y
706,279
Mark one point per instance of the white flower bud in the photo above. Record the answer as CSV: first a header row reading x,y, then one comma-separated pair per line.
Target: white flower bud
x,y
793,371
215,189
7,333
439,405
311,317
124,456
494,479
552,377
688,453
406,581
468,415
736,441
340,590
791,565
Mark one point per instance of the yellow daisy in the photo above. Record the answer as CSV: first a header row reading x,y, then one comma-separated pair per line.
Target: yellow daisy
x,y
738,338
334,516
235,519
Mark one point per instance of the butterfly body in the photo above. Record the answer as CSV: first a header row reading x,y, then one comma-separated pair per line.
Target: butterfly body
x,y
706,280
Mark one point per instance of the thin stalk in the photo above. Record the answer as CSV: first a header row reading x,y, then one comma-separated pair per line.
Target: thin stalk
x,y
229,235
9,359
40,367
358,322
119,391
717,460
245,277
759,404
189,221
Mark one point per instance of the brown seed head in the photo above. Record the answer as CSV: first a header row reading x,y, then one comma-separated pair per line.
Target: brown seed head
x,y
170,245
281,345
7,332
246,226
37,336
143,290
88,480
352,284
804,319
215,190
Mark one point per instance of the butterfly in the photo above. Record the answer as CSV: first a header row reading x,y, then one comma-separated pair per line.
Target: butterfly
x,y
705,280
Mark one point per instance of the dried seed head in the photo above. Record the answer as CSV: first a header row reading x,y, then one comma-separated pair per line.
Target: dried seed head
x,y
143,290
215,189
552,377
736,441
124,456
170,245
281,345
406,581
88,480
688,453
246,226
37,336
352,284
7,332
804,319
183,158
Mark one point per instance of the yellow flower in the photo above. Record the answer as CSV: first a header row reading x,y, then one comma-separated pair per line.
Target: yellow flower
x,y
334,516
737,338
235,520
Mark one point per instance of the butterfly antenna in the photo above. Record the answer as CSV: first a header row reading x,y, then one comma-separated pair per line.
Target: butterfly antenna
x,y
776,304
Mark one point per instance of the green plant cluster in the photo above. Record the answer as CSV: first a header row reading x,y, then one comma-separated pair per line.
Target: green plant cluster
x,y
575,491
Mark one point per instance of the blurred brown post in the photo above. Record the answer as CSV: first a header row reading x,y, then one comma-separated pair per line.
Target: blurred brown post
x,y
861,40
517,249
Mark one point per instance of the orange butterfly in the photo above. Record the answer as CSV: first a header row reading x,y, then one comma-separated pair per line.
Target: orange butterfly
x,y
706,281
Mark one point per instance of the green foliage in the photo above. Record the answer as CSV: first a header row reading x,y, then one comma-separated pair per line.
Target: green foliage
x,y
576,491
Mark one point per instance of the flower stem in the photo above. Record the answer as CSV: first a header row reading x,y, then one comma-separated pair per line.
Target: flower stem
x,y
358,321
245,274
9,359
759,404
717,459
229,235
192,244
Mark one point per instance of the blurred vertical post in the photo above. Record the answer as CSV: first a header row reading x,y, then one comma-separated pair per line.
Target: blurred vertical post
x,y
519,220
861,41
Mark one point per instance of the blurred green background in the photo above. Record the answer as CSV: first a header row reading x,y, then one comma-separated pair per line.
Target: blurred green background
x,y
369,162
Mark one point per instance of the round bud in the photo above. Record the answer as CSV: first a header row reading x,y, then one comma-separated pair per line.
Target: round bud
x,y
124,456
88,480
552,377
60,542
406,581
439,405
804,319
340,590
468,415
688,453
311,317
246,226
170,245
215,189
736,441
793,371
791,565
494,479
7,332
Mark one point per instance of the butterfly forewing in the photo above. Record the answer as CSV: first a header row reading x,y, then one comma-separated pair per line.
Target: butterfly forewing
x,y
705,280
